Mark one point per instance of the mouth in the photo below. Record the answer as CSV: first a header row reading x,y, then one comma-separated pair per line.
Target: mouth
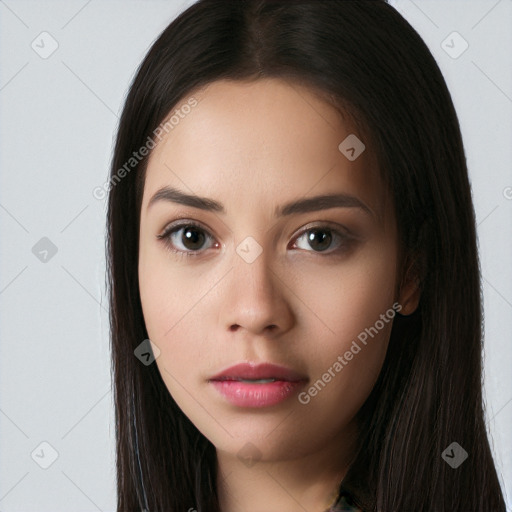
x,y
257,385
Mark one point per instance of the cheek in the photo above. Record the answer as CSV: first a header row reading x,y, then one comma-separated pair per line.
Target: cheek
x,y
350,322
166,293
167,311
173,303
345,299
156,295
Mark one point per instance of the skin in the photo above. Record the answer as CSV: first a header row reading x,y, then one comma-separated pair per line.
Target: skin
x,y
254,146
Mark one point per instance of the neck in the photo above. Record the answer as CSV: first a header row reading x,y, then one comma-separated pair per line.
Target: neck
x,y
309,482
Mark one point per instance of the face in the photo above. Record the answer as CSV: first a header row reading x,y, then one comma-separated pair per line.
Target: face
x,y
243,277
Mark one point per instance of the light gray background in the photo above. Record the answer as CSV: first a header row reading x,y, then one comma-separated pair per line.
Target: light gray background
x,y
58,118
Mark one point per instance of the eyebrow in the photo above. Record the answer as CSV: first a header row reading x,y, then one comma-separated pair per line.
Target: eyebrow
x,y
309,204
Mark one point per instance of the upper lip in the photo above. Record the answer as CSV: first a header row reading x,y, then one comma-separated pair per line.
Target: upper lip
x,y
259,371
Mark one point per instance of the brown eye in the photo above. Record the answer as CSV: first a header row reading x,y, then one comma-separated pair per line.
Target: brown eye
x,y
318,239
186,239
191,238
323,239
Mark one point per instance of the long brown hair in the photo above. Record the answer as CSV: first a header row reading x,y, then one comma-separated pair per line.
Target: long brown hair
x,y
371,62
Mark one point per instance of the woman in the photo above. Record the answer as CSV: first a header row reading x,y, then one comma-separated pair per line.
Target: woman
x,y
290,223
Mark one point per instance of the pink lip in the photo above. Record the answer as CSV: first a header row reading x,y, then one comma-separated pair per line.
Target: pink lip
x,y
249,394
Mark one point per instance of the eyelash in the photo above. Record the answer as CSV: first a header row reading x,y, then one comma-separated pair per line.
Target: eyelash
x,y
165,237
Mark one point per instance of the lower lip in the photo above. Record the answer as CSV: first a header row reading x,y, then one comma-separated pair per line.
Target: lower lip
x,y
245,394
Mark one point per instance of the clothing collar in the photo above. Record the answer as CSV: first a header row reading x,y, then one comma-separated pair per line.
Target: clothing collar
x,y
356,486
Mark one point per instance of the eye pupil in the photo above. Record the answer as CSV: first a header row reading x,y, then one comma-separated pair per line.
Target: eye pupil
x,y
193,236
324,241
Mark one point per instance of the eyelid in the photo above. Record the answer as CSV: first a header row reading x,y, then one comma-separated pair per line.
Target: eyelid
x,y
179,223
325,224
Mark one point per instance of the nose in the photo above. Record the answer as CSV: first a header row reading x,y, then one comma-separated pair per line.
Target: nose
x,y
257,298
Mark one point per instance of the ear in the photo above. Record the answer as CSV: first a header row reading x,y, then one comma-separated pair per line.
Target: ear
x,y
409,292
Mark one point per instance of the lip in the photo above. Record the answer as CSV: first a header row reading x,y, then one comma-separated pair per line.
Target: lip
x,y
259,371
238,392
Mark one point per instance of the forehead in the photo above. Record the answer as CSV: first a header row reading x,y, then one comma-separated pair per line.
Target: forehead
x,y
263,140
